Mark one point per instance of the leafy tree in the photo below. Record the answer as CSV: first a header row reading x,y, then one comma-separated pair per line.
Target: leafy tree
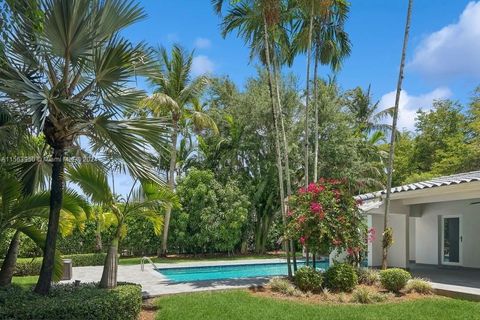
x,y
212,215
176,95
18,211
76,83
149,200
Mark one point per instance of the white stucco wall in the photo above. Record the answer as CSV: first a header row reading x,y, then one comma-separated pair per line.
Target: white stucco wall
x,y
397,256
412,241
427,231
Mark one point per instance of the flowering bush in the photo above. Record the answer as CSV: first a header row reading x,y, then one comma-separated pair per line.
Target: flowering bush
x,y
324,216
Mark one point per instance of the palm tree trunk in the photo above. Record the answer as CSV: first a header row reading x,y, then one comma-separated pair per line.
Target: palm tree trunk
x,y
110,267
315,102
392,137
56,200
307,91
171,185
277,135
8,266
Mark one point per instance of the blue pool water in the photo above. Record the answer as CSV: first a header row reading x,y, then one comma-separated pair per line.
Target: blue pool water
x,y
188,274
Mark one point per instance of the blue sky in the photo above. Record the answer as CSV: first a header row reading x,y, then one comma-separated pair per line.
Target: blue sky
x,y
443,59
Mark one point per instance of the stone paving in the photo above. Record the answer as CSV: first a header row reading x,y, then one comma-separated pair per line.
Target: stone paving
x,y
155,284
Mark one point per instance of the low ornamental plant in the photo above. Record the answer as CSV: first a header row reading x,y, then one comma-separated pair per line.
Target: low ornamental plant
x,y
283,286
418,285
367,276
324,217
366,295
341,277
394,279
308,279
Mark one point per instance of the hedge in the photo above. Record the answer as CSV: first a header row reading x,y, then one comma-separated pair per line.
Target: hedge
x,y
31,266
85,301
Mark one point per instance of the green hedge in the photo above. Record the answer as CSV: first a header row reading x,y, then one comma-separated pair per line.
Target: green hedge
x,y
31,266
86,301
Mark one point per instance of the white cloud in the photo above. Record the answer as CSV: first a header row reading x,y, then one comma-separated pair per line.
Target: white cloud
x,y
202,43
202,65
409,104
453,50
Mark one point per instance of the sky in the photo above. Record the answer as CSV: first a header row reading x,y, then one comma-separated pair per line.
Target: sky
x,y
443,54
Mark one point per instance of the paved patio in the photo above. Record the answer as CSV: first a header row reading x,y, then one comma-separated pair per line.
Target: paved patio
x,y
457,276
155,284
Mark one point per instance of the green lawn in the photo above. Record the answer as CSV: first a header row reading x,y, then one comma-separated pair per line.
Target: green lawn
x,y
236,305
26,281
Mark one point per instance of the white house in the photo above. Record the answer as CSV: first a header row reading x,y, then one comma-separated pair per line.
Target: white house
x,y
435,222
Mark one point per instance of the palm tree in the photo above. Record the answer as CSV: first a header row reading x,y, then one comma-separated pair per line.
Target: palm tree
x,y
70,78
18,212
149,200
255,20
176,96
387,232
366,114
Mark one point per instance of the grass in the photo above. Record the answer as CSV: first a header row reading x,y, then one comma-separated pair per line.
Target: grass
x,y
26,281
236,305
136,260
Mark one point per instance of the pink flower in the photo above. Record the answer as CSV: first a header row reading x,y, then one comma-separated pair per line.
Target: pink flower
x,y
336,194
302,190
316,207
301,219
359,202
302,240
371,235
321,214
289,213
353,251
337,242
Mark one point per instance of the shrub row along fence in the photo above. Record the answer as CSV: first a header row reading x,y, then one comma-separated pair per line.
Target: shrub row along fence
x,y
31,266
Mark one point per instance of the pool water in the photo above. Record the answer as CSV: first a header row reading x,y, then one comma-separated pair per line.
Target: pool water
x,y
188,274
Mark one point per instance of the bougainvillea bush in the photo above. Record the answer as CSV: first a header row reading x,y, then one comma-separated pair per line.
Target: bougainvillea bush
x,y
324,216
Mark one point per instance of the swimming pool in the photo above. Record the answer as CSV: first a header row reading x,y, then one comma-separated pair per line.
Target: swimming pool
x,y
201,273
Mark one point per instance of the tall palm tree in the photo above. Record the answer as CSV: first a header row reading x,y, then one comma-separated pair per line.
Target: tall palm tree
x,y
366,115
149,200
18,212
70,78
255,20
176,96
387,232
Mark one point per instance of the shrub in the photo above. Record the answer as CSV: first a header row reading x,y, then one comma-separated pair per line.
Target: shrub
x,y
341,277
284,286
394,279
86,301
367,276
367,295
308,279
87,259
419,286
31,266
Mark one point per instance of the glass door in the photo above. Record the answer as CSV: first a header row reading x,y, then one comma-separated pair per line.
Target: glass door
x,y
451,240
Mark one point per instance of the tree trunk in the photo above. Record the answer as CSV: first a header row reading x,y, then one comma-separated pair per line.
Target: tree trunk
x,y
277,135
8,266
307,91
315,103
110,268
56,200
392,137
171,185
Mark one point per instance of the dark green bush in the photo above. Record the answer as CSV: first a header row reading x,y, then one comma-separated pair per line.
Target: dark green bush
x,y
341,277
394,279
308,279
31,266
86,301
87,259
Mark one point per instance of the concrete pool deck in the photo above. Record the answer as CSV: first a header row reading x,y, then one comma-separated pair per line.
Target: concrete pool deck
x,y
155,284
